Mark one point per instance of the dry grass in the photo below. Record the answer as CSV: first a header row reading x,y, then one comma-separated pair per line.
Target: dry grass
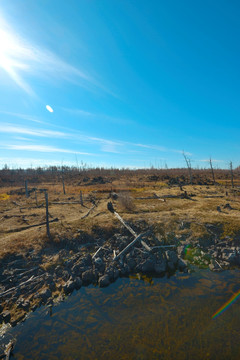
x,y
17,211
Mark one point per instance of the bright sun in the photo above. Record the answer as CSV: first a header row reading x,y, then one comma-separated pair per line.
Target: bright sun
x,y
13,56
7,45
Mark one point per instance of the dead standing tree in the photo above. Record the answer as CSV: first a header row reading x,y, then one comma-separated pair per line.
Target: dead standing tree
x,y
213,176
188,162
47,217
231,171
63,184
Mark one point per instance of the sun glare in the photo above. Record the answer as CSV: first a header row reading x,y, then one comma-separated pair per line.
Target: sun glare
x,y
7,47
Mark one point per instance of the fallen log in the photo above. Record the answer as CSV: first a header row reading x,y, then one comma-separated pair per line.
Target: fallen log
x,y
93,207
65,202
131,230
111,209
128,247
31,226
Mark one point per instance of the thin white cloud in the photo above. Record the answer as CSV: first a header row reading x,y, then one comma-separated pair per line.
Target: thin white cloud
x,y
106,145
213,160
14,129
113,119
78,112
32,162
43,148
24,117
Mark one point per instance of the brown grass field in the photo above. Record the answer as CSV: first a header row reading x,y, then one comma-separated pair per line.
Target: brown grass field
x,y
140,200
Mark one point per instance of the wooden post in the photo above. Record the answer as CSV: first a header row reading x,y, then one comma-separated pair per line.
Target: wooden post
x,y
231,170
26,188
47,219
63,185
36,197
81,198
210,162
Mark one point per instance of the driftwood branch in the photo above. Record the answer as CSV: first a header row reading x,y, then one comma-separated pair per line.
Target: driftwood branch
x,y
8,349
128,247
20,285
93,207
111,209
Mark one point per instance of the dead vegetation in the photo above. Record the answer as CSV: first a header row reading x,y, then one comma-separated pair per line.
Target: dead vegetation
x,y
161,200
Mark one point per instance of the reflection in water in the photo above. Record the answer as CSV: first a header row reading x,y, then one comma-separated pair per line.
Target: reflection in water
x,y
131,319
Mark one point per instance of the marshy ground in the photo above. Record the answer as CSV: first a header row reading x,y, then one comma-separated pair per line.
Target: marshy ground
x,y
200,222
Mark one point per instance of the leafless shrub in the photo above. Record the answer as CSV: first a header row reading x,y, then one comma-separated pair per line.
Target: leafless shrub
x,y
126,201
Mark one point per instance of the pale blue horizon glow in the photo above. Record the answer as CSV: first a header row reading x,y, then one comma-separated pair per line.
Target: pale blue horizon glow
x,y
119,83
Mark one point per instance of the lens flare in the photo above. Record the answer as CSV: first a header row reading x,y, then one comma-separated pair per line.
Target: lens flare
x,y
226,305
48,107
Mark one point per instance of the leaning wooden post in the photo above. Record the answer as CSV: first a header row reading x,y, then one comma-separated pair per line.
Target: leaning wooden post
x,y
47,219
26,188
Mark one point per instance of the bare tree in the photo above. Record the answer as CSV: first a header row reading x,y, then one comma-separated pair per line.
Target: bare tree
x,y
231,171
213,176
188,162
63,184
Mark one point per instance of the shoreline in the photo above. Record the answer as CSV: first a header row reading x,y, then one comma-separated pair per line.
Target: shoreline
x,y
46,277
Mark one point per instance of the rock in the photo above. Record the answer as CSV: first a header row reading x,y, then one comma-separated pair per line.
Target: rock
x,y
69,286
171,266
227,206
88,277
214,266
104,281
160,268
99,264
22,304
125,270
181,250
45,294
6,316
182,264
78,282
86,260
147,265
131,263
172,256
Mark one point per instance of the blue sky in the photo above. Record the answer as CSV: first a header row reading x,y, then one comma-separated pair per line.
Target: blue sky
x,y
132,83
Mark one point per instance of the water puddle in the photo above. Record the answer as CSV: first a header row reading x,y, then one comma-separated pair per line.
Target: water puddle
x,y
160,318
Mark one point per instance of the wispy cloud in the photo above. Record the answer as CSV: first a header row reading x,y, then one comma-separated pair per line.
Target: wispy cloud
x,y
78,112
24,117
106,145
160,148
42,148
14,129
19,57
213,160
107,118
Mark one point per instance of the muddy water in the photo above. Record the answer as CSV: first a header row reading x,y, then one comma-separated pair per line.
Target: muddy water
x,y
164,318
